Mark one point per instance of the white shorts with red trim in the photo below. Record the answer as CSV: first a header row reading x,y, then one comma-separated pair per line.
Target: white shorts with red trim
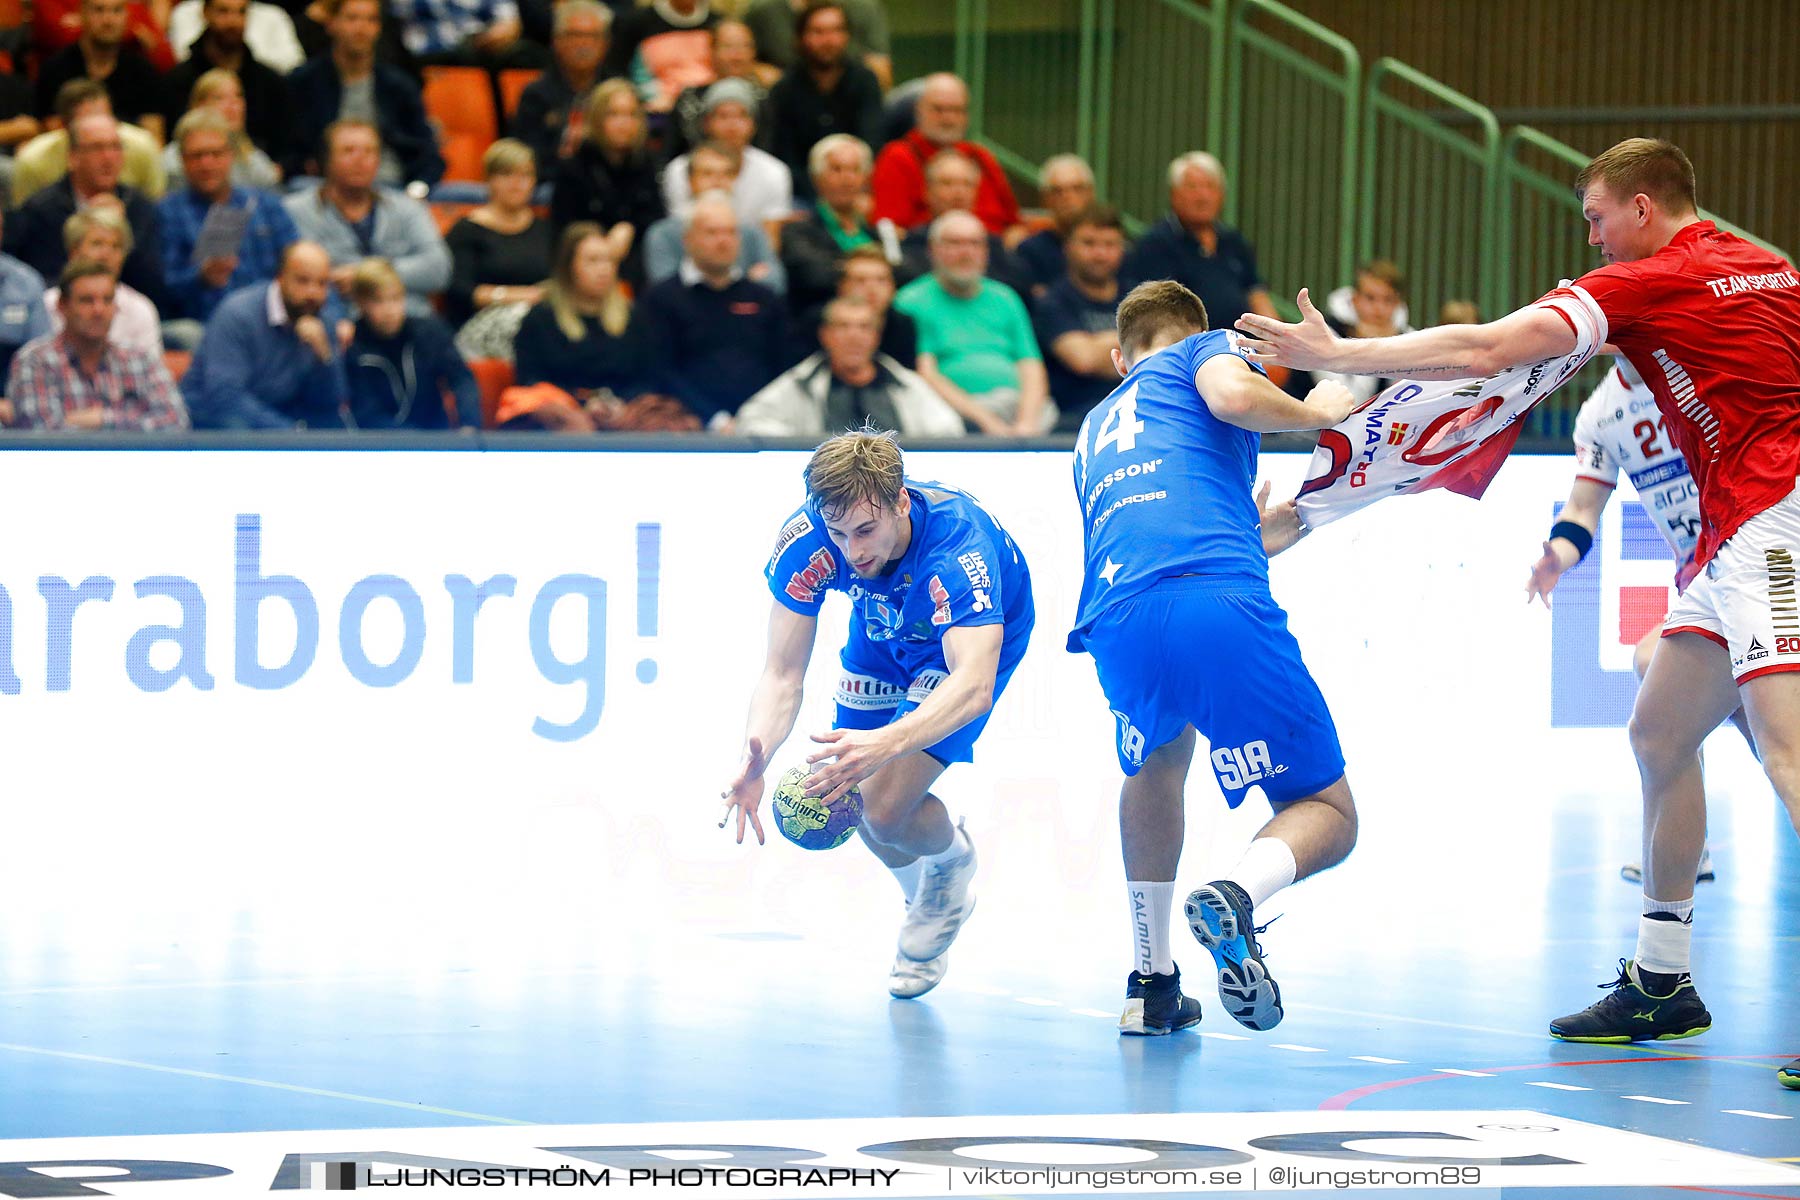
x,y
1745,599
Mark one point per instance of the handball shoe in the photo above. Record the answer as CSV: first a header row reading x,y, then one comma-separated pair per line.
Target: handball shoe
x,y
1634,872
909,980
1789,1076
943,903
1628,1013
1219,914
1154,1005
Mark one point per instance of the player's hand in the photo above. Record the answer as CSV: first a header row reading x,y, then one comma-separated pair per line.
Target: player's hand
x,y
1281,523
744,793
856,754
1333,401
1307,346
1544,574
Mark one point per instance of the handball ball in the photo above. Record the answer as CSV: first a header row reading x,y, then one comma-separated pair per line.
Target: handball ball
x,y
808,821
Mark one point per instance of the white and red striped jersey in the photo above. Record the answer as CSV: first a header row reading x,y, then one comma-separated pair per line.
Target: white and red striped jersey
x,y
1712,323
1620,428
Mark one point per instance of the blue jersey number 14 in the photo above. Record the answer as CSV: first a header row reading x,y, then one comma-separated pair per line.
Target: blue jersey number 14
x,y
1119,428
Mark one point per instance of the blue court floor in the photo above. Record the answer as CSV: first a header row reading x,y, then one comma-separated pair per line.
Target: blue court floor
x,y
1419,978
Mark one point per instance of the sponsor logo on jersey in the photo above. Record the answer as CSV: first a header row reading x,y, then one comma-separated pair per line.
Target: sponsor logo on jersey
x,y
865,692
809,581
1240,766
940,597
1131,740
1731,285
924,685
795,529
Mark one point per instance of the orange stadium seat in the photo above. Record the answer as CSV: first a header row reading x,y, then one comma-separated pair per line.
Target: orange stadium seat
x,y
177,361
460,101
493,375
513,82
447,214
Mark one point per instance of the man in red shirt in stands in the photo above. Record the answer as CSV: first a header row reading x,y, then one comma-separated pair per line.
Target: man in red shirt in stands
x,y
941,121
1712,323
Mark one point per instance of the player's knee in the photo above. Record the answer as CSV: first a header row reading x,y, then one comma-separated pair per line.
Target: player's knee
x,y
886,815
1658,751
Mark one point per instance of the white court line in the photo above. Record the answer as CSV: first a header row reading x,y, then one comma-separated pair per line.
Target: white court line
x,y
1470,1074
1540,1038
1091,1012
1751,1112
1561,1087
327,1093
1299,1049
1375,1058
1653,1099
1223,1037
1038,1002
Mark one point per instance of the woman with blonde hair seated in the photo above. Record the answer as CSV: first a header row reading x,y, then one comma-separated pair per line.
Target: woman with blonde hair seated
x,y
611,179
219,90
101,234
500,252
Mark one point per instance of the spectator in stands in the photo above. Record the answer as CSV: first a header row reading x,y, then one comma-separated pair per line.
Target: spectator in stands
x,y
467,33
1075,325
581,337
975,341
773,22
100,235
664,48
1459,312
400,369
45,158
611,179
500,252
1194,248
266,29
733,57
836,222
1372,307
79,379
57,24
764,191
269,359
941,122
846,384
548,118
951,182
1066,186
262,103
715,338
354,218
348,83
104,54
218,91
712,167
826,92
96,156
23,315
193,290
867,275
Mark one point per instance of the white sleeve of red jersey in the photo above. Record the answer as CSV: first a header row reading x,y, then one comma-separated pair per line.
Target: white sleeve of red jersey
x,y
1594,458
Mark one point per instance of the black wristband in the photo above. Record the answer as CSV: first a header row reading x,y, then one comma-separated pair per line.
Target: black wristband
x,y
1581,539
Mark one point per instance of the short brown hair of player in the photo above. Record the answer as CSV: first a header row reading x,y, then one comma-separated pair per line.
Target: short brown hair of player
x,y
862,465
1156,309
1652,166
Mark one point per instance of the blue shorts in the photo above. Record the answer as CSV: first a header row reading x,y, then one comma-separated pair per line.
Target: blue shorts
x,y
874,690
1217,655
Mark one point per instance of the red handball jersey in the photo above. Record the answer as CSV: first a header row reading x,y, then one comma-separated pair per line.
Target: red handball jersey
x,y
1712,323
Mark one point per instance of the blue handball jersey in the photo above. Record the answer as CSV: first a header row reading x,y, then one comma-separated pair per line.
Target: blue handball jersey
x,y
960,569
1164,486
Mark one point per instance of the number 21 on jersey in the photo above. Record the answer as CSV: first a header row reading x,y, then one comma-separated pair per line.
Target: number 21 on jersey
x,y
1119,429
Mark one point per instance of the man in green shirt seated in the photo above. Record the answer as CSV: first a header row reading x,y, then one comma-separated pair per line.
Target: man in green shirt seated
x,y
976,346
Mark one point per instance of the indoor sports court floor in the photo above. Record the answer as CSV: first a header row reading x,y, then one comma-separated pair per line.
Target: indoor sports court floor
x,y
580,973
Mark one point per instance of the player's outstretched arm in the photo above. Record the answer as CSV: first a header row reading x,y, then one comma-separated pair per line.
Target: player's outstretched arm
x,y
1587,500
972,653
1239,396
773,706
1528,335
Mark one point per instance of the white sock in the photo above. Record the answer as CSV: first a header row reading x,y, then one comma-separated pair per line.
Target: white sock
x,y
1663,945
1267,867
908,878
1150,907
959,846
